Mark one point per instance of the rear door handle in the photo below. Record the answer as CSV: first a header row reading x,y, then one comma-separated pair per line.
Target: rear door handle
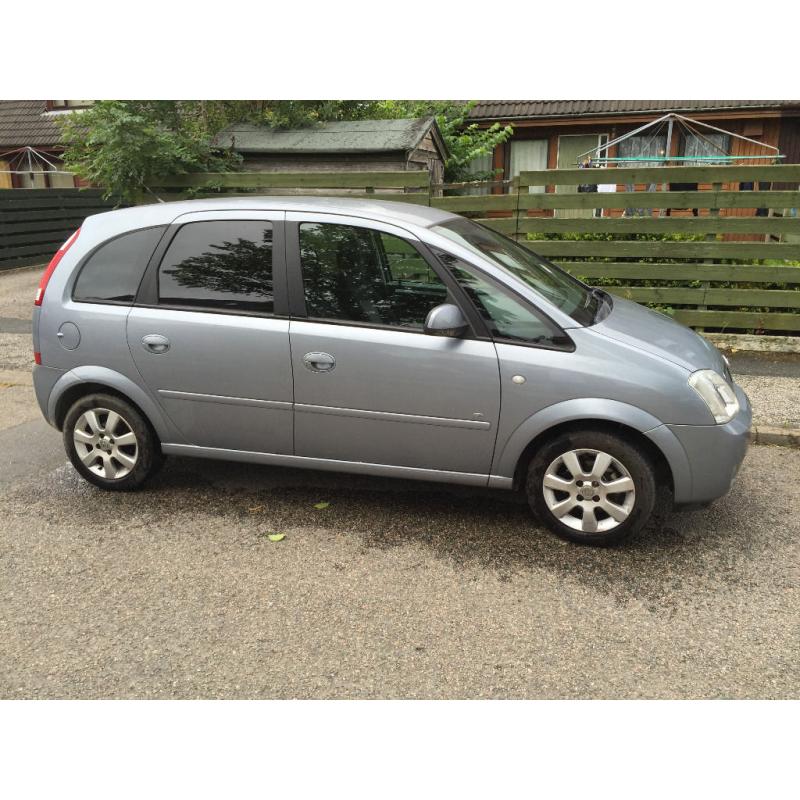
x,y
319,362
155,343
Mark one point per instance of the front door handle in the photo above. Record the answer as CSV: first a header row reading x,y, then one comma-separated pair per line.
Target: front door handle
x,y
319,362
155,343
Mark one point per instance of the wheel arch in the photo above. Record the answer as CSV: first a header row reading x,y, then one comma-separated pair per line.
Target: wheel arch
x,y
663,469
598,414
79,382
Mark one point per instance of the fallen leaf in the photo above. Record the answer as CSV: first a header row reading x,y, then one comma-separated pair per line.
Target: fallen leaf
x,y
276,537
320,506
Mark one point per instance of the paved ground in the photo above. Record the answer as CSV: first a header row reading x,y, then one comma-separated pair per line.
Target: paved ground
x,y
396,589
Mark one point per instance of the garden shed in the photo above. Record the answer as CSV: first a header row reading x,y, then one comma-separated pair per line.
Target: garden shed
x,y
368,145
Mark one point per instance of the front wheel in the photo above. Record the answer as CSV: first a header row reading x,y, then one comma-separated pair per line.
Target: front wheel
x,y
110,443
591,487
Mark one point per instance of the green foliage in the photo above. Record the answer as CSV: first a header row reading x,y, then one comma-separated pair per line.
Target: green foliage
x,y
303,113
466,142
599,280
119,144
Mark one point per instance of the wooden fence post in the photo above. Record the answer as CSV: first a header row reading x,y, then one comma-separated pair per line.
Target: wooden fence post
x,y
515,185
710,237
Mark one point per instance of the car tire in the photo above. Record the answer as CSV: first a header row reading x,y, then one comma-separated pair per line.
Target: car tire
x,y
570,485
110,443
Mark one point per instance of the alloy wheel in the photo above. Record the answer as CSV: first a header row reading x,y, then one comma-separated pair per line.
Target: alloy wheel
x,y
589,490
105,443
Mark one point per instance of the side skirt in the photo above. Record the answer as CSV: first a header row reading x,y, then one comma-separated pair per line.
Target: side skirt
x,y
358,467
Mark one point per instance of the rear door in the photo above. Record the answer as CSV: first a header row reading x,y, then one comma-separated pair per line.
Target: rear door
x,y
370,386
209,332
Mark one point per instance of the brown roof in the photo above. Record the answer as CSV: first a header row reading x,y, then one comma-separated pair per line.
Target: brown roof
x,y
26,122
515,109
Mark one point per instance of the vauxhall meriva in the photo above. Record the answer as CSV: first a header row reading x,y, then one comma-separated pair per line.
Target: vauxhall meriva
x,y
380,338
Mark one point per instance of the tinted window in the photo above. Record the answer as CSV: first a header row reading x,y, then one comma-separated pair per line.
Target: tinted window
x,y
220,264
550,281
362,275
506,316
113,272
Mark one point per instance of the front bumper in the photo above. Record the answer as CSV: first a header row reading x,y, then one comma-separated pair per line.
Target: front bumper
x,y
714,454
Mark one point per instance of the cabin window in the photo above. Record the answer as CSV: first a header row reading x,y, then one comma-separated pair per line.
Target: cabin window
x,y
648,150
528,155
712,144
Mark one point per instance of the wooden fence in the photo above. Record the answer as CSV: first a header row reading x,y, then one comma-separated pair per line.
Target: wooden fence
x,y
35,222
697,273
691,266
723,285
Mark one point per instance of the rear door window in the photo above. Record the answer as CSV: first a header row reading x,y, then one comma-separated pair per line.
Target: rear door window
x,y
113,272
219,265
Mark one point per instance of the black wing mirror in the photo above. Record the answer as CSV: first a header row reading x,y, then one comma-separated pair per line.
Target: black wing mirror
x,y
446,320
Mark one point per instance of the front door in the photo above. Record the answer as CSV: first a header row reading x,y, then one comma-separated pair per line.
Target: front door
x,y
207,337
369,385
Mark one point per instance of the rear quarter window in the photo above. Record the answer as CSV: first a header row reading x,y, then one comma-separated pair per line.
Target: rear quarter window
x,y
113,272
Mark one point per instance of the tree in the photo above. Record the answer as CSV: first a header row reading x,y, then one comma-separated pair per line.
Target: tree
x,y
121,144
465,141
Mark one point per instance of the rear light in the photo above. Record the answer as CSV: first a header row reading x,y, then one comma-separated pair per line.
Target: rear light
x,y
52,266
37,358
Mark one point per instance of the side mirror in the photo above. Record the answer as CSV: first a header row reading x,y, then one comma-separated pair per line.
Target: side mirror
x,y
446,320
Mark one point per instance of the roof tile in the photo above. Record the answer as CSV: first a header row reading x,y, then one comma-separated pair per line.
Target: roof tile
x,y
26,122
511,109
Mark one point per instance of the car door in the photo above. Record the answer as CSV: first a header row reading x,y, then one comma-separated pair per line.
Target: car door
x,y
370,386
209,332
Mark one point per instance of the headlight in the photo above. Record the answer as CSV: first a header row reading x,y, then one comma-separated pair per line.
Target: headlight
x,y
718,395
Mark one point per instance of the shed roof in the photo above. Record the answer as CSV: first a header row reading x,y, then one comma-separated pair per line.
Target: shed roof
x,y
517,109
27,122
361,136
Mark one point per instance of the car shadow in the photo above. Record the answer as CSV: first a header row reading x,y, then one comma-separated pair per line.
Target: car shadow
x,y
479,528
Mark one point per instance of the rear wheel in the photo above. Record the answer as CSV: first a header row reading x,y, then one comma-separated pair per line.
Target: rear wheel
x,y
110,443
592,487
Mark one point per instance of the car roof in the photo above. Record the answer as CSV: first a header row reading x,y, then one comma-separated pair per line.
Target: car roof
x,y
379,210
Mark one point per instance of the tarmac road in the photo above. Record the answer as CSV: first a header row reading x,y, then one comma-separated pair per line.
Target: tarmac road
x,y
396,590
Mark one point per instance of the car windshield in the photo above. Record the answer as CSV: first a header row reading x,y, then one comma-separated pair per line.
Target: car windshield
x,y
555,285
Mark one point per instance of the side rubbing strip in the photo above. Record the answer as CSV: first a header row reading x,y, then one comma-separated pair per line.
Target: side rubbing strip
x,y
389,416
224,399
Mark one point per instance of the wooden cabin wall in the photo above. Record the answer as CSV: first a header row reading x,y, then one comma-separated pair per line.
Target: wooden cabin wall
x,y
427,156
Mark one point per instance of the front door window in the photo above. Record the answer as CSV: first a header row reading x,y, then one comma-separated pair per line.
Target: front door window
x,y
354,274
506,316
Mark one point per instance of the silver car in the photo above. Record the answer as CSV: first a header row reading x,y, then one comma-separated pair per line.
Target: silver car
x,y
379,338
